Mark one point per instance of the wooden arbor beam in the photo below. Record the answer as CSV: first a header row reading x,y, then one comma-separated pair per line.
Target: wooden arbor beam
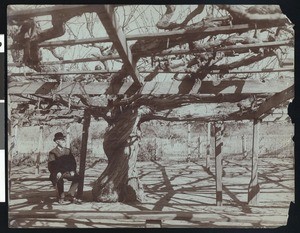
x,y
27,13
107,16
106,39
273,102
160,88
74,72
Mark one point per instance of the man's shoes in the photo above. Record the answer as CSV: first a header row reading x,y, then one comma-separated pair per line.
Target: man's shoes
x,y
76,201
61,201
73,200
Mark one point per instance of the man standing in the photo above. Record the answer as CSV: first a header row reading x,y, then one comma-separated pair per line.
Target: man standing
x,y
62,166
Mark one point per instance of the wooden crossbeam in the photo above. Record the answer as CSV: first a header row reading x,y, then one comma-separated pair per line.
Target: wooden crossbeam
x,y
274,101
107,16
157,88
77,72
27,13
72,61
106,39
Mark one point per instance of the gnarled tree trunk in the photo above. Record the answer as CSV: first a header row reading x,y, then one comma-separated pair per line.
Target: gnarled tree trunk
x,y
119,181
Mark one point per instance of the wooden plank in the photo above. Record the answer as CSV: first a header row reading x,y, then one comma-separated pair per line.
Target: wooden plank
x,y
156,88
253,188
83,151
107,16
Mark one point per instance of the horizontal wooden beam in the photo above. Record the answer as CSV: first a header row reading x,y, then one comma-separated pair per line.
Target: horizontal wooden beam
x,y
72,61
159,34
77,72
154,88
235,48
41,11
203,98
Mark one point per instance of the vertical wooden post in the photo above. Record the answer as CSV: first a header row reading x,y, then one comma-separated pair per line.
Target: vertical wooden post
x,y
209,146
83,151
244,150
254,189
188,142
15,141
68,138
161,150
200,147
218,131
156,148
40,149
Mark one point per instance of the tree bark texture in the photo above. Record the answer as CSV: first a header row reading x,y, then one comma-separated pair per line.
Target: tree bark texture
x,y
119,181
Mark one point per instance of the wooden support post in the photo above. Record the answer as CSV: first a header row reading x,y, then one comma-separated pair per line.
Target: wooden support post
x,y
200,147
254,189
68,139
83,151
244,150
15,142
156,148
209,146
218,128
188,142
38,154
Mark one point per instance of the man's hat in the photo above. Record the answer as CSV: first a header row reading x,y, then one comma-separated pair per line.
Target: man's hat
x,y
58,136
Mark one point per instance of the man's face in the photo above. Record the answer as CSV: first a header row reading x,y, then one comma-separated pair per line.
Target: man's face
x,y
61,142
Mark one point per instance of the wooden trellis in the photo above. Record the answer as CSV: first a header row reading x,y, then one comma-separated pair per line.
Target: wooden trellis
x,y
282,89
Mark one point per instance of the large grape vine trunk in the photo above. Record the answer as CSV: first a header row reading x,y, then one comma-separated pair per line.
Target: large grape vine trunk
x,y
119,181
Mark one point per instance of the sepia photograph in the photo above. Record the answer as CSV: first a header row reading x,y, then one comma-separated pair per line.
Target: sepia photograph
x,y
149,116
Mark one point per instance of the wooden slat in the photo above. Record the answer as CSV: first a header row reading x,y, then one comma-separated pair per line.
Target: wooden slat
x,y
157,88
107,16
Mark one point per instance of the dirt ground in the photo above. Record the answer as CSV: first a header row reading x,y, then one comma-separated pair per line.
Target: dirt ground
x,y
180,194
